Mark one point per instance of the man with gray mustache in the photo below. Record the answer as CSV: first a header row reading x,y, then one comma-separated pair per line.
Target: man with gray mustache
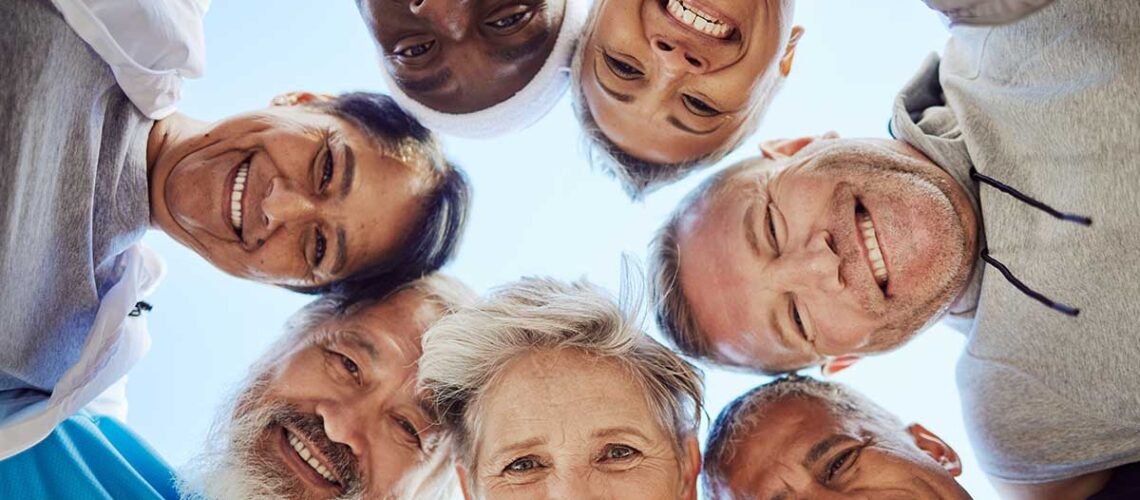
x,y
1005,203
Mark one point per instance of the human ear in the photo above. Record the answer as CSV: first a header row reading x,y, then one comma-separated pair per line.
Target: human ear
x,y
937,449
692,470
838,364
296,98
462,473
782,148
790,50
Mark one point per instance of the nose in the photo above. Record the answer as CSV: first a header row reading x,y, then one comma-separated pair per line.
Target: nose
x,y
283,204
817,265
574,483
676,58
446,16
343,423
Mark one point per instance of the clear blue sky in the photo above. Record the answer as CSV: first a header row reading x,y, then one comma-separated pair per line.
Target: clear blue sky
x,y
538,207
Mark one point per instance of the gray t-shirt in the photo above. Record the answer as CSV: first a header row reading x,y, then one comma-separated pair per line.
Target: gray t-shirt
x,y
73,193
1049,105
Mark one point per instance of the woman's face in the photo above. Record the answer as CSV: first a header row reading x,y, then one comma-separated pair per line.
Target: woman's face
x,y
563,424
672,80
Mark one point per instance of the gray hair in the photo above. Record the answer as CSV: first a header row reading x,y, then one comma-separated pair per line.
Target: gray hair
x,y
464,353
639,177
745,415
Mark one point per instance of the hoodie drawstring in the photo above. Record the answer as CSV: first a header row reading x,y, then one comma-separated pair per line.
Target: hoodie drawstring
x,y
1009,276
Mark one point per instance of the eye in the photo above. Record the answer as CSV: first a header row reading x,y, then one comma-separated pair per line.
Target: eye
x,y
772,229
410,430
798,321
349,365
414,51
522,465
327,173
842,463
623,70
319,244
699,107
509,21
619,452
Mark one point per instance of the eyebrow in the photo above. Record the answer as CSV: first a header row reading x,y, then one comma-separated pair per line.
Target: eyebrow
x,y
677,123
354,338
624,98
613,431
426,84
348,173
521,445
821,448
341,251
527,47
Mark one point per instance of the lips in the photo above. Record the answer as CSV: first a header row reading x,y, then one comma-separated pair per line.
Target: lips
x,y
310,465
700,19
872,250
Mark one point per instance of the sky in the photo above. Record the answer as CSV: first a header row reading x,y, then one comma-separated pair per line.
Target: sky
x,y
538,209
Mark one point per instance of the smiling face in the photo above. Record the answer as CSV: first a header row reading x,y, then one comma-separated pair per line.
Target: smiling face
x,y
442,53
849,246
803,449
339,411
567,425
287,196
673,80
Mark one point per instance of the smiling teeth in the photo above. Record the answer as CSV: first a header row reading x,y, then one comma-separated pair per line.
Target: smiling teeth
x,y
698,19
235,198
307,457
878,267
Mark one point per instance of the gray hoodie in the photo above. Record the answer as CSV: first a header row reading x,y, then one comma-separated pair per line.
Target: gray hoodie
x,y
1047,108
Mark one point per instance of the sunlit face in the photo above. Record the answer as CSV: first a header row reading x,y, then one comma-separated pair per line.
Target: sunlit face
x,y
344,416
286,196
803,450
849,246
460,56
667,86
567,425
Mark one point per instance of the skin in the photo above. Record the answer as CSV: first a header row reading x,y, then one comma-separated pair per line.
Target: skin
x,y
857,457
286,212
666,93
355,377
778,276
568,425
442,53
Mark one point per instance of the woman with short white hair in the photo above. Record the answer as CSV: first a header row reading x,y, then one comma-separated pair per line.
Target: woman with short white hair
x,y
550,390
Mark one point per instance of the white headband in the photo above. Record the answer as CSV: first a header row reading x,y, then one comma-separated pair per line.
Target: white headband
x,y
519,111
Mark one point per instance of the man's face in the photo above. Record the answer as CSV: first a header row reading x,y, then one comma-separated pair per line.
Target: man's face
x,y
287,196
666,85
340,413
443,53
849,246
804,450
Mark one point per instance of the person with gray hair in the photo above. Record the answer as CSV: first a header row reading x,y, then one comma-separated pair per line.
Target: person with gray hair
x,y
331,411
550,390
798,437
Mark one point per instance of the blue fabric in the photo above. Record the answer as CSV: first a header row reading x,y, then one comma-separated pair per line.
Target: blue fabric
x,y
88,457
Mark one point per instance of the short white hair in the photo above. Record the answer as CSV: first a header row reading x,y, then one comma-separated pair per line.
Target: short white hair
x,y
465,352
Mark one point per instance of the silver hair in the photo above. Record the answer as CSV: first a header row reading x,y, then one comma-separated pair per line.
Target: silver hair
x,y
465,352
226,470
744,416
640,177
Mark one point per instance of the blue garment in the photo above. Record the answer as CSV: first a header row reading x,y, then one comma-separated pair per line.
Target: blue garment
x,y
88,457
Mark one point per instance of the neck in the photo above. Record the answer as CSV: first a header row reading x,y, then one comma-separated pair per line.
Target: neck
x,y
163,144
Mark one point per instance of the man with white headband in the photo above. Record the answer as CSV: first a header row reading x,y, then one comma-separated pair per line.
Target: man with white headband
x,y
475,69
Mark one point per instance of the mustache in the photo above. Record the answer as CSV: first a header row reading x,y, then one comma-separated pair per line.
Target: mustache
x,y
345,465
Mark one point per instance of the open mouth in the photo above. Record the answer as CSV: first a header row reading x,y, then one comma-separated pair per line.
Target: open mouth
x,y
237,196
874,253
316,469
700,20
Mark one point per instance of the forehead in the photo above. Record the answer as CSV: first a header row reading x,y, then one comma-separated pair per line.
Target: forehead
x,y
563,393
403,317
780,437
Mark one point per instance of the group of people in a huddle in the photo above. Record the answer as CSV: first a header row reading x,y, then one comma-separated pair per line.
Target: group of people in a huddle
x,y
1004,203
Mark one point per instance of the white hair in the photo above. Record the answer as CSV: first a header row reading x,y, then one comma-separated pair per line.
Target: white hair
x,y
465,352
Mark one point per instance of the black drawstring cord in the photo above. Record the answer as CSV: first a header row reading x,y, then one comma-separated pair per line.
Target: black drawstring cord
x,y
1079,219
140,307
1057,306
